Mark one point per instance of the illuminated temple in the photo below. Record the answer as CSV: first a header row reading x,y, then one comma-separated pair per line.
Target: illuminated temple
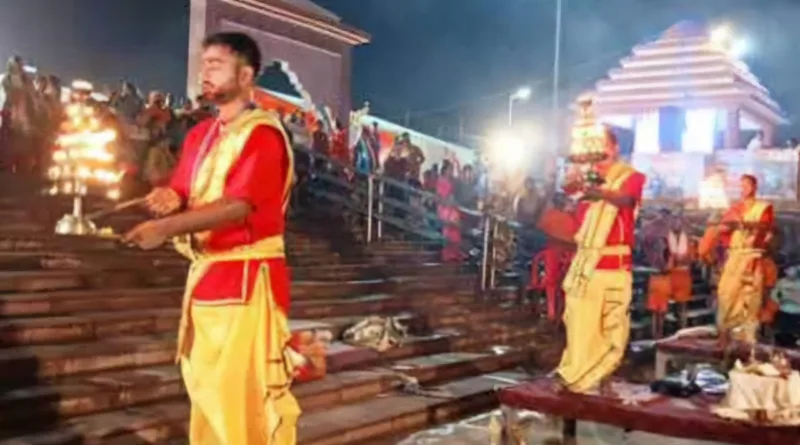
x,y
687,91
686,107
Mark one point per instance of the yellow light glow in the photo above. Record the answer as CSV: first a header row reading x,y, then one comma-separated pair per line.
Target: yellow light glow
x,y
113,194
82,85
73,110
84,173
721,34
54,173
53,190
507,151
712,193
60,156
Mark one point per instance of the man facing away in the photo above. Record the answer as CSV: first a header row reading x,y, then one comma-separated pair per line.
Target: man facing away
x,y
225,205
748,225
598,285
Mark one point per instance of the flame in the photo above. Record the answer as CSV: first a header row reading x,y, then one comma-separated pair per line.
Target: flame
x,y
712,193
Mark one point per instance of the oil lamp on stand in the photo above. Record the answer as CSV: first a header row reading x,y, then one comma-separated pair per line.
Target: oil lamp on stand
x,y
82,161
588,146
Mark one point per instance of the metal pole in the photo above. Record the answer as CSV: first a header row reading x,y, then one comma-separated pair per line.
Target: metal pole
x,y
556,75
381,187
485,252
510,111
370,204
493,265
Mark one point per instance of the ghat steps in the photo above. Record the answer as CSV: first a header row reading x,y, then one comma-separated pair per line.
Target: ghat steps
x,y
87,335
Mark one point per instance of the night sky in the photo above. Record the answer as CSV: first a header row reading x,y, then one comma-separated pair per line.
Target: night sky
x,y
442,61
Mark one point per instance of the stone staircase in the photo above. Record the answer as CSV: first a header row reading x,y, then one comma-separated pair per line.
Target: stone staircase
x,y
87,335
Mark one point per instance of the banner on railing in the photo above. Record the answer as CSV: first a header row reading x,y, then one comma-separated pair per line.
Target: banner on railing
x,y
776,171
679,175
671,175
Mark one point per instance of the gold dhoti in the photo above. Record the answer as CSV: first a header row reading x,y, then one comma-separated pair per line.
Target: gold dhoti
x,y
740,293
597,300
598,328
235,362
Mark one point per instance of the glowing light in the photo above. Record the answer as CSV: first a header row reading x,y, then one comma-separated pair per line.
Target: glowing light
x,y
54,173
84,159
721,34
712,193
507,151
524,93
82,85
739,48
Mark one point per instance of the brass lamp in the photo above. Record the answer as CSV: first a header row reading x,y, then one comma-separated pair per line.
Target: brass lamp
x,y
589,141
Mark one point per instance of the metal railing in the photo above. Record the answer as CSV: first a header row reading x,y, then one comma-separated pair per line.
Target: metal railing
x,y
389,207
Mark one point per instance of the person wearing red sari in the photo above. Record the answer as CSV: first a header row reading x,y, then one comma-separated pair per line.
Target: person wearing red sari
x,y
746,229
225,207
449,214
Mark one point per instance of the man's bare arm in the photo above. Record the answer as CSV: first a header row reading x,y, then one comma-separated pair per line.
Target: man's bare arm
x,y
214,215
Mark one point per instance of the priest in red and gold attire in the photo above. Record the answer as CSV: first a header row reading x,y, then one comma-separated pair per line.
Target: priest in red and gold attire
x,y
225,208
747,230
599,283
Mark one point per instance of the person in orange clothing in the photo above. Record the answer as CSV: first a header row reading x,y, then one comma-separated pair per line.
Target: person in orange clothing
x,y
558,223
675,281
747,230
599,283
225,206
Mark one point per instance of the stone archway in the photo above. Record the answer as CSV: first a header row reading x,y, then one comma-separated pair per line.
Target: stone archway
x,y
277,76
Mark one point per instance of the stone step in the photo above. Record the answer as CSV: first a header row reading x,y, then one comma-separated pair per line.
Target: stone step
x,y
21,306
320,289
84,395
65,302
391,414
369,271
396,413
54,280
30,364
84,326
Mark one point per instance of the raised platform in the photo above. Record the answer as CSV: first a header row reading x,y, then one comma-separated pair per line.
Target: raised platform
x,y
697,349
680,418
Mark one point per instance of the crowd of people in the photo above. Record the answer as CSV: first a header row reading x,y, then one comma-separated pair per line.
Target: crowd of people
x,y
151,127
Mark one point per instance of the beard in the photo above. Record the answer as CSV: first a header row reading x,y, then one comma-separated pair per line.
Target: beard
x,y
221,95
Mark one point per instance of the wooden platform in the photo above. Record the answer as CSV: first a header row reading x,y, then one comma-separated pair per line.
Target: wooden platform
x,y
699,349
680,418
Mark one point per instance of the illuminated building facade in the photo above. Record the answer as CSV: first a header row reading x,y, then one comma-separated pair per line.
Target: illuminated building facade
x,y
687,92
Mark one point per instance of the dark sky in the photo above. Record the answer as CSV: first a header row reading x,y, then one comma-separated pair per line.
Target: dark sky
x,y
442,60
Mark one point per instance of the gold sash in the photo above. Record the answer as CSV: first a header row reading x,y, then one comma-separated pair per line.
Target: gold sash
x,y
593,234
753,215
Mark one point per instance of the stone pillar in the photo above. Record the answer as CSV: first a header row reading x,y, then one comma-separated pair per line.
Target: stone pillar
x,y
768,140
198,23
732,129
